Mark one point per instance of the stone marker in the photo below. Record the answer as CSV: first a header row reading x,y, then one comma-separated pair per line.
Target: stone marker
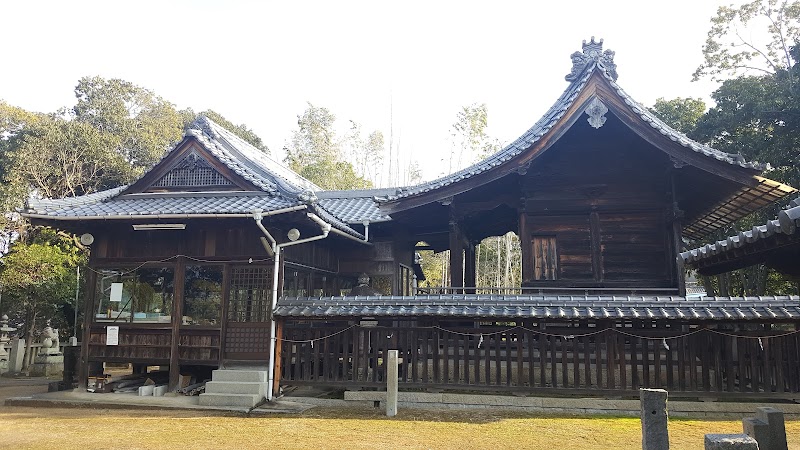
x,y
655,435
730,442
757,430
777,429
391,384
16,356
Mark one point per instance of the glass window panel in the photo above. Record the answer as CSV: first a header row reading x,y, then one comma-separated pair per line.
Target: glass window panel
x,y
147,294
202,295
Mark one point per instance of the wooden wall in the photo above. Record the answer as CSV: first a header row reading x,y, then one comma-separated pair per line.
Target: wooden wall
x,y
606,202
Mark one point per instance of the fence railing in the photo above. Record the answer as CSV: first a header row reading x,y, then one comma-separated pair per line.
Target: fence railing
x,y
532,358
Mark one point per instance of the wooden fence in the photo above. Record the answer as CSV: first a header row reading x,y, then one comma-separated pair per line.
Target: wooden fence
x,y
531,358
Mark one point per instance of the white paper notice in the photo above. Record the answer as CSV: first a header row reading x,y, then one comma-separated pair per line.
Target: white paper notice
x,y
116,292
112,335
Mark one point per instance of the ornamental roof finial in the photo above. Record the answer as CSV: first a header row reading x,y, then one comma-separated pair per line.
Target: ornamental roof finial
x,y
592,53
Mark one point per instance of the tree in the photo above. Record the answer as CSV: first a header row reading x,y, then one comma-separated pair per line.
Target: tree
x,y
144,124
365,155
757,37
35,277
470,142
756,113
681,114
315,152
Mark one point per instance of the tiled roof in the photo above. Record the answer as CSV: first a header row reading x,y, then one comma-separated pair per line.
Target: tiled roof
x,y
355,206
788,222
280,188
248,161
552,116
543,307
106,204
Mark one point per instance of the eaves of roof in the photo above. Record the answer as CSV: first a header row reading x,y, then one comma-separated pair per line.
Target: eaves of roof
x,y
788,223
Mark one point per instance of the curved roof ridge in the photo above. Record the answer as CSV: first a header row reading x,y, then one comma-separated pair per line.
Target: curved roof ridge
x,y
582,71
539,129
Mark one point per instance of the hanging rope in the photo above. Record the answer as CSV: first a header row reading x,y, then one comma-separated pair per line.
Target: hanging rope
x,y
321,338
481,335
170,258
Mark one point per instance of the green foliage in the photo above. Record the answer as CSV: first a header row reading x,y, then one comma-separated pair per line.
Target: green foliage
x,y
758,117
37,276
315,152
366,155
681,114
143,124
755,37
470,142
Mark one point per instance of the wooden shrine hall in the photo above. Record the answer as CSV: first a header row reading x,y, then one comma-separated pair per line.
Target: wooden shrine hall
x,y
220,257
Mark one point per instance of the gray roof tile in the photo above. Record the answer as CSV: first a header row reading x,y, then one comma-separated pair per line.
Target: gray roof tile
x,y
788,222
538,306
551,117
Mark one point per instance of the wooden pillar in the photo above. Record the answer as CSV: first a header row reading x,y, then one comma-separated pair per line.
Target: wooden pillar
x,y
677,232
470,270
456,258
678,239
276,382
525,246
223,329
88,320
177,315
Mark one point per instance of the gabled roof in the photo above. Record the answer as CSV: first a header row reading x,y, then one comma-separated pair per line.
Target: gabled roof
x,y
554,307
595,64
275,187
246,161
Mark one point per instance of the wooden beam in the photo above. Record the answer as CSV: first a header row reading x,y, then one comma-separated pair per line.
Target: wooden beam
x,y
525,247
470,270
88,320
276,382
456,256
177,314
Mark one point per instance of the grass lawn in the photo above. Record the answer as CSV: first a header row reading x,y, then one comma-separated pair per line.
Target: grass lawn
x,y
22,428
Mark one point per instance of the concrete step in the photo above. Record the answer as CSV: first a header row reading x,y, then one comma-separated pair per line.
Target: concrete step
x,y
240,400
235,387
240,376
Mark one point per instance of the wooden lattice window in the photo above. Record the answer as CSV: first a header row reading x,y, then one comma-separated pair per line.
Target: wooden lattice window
x,y
192,171
250,294
545,258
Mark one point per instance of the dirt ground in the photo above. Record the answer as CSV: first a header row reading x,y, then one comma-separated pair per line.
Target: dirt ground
x,y
326,427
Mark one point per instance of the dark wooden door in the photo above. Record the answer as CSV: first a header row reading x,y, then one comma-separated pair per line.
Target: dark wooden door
x,y
247,316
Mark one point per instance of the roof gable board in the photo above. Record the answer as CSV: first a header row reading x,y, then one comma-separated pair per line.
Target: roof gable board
x,y
190,167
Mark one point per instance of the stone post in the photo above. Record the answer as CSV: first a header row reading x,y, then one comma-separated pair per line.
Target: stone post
x,y
655,435
17,355
757,430
776,428
391,383
730,442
